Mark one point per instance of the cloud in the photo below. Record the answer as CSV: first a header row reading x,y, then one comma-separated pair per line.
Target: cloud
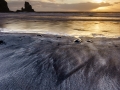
x,y
112,8
49,6
52,0
116,2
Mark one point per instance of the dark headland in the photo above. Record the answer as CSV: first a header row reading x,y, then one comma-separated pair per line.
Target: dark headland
x,y
4,6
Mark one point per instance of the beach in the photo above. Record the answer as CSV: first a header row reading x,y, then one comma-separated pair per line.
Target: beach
x,y
54,62
59,45
60,51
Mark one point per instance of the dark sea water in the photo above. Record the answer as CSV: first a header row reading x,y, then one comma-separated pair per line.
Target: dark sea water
x,y
72,24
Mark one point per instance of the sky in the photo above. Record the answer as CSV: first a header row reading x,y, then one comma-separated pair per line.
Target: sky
x,y
68,5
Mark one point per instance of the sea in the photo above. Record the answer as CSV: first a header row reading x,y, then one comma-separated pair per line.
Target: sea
x,y
78,24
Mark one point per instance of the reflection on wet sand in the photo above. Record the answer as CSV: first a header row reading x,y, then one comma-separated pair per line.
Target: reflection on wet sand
x,y
74,28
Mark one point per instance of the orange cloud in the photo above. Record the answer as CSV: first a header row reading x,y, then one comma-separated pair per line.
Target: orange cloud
x,y
112,8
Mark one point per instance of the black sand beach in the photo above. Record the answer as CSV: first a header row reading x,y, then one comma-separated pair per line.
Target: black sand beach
x,y
51,62
70,50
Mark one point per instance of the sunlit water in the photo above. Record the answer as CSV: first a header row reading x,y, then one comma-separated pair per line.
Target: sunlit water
x,y
92,25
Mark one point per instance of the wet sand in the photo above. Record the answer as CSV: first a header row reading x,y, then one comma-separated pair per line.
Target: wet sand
x,y
51,62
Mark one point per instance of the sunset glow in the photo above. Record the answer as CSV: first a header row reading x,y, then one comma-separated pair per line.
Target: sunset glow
x,y
98,1
68,5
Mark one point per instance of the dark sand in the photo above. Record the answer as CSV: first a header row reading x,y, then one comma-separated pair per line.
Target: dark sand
x,y
47,62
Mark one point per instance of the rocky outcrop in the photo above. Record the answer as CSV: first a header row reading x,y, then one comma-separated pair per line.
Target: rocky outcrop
x,y
3,6
27,8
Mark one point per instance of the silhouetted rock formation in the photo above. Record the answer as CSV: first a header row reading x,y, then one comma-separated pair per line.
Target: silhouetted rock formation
x,y
28,8
3,6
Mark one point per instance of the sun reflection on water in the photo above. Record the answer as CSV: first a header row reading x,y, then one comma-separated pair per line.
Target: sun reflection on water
x,y
72,28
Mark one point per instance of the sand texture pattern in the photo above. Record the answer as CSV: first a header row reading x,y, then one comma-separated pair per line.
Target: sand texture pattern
x,y
49,62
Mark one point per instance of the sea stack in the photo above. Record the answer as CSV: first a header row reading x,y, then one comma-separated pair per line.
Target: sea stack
x,y
3,6
27,8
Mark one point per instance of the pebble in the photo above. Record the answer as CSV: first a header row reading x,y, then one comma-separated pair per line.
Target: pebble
x,y
39,35
58,37
2,42
90,41
116,46
78,41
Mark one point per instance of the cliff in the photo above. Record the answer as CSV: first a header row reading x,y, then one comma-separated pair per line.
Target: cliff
x,y
3,6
